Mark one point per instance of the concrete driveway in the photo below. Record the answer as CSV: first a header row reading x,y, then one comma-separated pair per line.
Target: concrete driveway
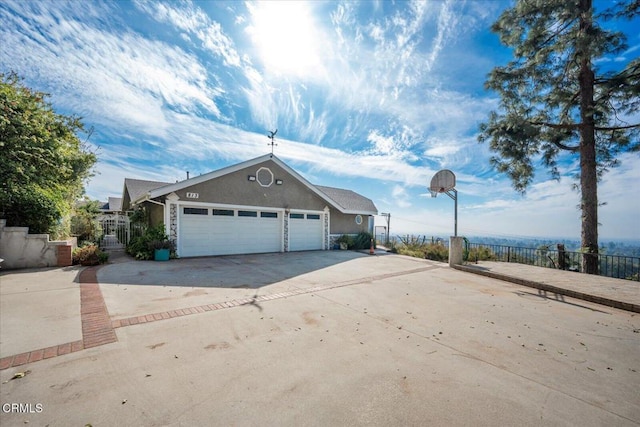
x,y
38,308
334,338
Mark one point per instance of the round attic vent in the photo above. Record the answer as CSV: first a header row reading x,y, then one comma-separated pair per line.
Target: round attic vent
x,y
264,177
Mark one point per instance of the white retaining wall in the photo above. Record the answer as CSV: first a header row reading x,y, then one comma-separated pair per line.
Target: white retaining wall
x,y
19,249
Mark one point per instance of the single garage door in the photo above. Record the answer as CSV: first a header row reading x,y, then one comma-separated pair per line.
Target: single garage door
x,y
219,231
305,232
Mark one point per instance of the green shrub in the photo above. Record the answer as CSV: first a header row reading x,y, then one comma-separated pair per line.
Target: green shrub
x,y
89,255
422,247
30,207
436,252
84,223
358,242
142,247
160,244
363,241
481,254
346,239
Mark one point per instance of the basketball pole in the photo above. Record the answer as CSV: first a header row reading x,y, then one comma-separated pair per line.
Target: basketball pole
x,y
444,181
453,193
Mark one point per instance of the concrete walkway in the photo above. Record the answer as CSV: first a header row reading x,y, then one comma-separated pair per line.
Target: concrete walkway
x,y
618,293
326,338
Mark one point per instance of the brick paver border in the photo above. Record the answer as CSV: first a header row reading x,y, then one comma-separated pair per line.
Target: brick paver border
x,y
98,328
96,325
164,315
96,322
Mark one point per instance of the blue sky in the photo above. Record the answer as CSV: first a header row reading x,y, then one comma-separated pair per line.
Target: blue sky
x,y
374,96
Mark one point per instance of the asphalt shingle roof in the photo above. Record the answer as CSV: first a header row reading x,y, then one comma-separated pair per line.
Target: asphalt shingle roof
x,y
114,204
348,200
138,187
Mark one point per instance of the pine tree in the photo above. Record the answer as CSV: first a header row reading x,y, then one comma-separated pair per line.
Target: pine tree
x,y
554,99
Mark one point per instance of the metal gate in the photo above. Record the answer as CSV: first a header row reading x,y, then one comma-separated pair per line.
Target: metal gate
x,y
116,231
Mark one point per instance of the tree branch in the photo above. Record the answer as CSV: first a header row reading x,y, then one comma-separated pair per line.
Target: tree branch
x,y
617,127
557,125
566,147
580,125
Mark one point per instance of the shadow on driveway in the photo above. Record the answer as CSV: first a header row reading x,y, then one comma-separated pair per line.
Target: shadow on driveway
x,y
230,271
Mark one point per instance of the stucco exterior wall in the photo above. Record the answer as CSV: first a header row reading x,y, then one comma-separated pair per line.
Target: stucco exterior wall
x,y
19,249
346,223
156,214
236,189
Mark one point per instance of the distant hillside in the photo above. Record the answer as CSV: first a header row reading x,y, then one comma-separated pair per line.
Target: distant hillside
x,y
622,248
609,247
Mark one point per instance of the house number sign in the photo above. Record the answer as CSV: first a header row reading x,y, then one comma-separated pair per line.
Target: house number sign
x,y
193,195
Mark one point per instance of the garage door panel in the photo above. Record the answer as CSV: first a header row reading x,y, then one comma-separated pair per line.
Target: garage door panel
x,y
225,235
194,230
305,234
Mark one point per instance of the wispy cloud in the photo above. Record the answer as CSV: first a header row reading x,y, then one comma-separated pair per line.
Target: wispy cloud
x,y
382,94
128,79
401,197
191,19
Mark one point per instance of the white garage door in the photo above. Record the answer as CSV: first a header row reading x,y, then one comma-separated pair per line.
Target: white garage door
x,y
218,231
305,231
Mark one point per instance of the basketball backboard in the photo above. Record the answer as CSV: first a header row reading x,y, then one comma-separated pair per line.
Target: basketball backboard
x,y
442,182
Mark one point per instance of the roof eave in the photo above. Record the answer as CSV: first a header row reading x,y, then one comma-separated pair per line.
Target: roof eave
x,y
353,212
140,199
234,168
207,176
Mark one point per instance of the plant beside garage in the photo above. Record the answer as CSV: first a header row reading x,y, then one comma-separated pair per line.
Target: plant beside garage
x,y
358,242
161,249
89,254
154,239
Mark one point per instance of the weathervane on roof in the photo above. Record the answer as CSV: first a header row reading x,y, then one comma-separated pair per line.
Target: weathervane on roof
x,y
272,137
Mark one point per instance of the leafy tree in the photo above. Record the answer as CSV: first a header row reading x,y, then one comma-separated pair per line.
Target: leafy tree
x,y
43,164
84,222
556,99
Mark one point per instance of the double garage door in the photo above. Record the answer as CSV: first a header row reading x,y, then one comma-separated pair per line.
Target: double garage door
x,y
220,231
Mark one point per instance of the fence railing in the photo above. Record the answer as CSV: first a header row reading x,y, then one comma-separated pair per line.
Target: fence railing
x,y
616,266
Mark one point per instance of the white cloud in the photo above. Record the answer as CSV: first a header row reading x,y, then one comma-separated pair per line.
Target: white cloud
x,y
381,144
441,149
112,79
187,17
260,96
400,197
446,23
377,110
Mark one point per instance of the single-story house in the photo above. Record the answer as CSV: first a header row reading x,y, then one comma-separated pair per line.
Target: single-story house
x,y
257,206
113,206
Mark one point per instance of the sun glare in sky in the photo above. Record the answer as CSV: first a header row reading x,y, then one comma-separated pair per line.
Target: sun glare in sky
x,y
286,37
372,96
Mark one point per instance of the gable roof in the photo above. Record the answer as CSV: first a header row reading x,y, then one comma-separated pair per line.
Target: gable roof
x,y
349,200
114,204
138,188
346,201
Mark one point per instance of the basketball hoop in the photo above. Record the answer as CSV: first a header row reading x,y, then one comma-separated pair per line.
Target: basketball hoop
x,y
444,181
